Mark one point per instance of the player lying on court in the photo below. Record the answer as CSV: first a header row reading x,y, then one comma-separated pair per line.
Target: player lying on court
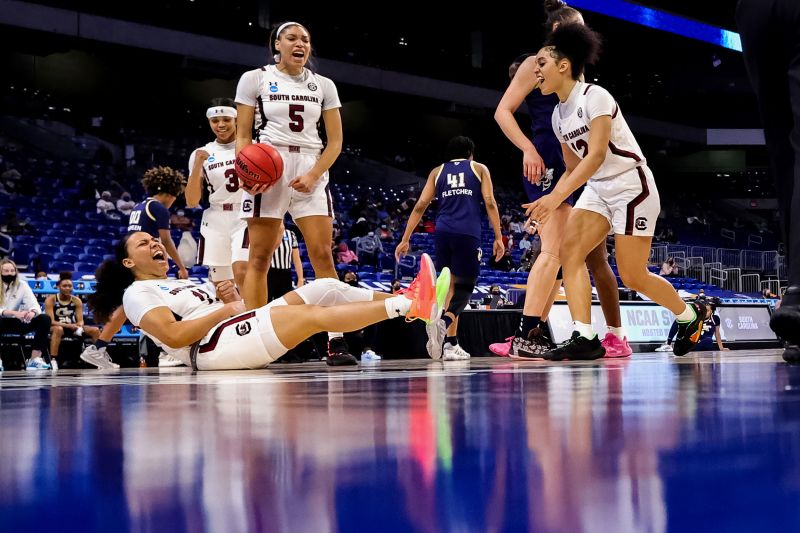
x,y
620,195
211,330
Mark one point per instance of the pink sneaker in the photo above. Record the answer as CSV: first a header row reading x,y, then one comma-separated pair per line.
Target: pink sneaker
x,y
503,349
615,347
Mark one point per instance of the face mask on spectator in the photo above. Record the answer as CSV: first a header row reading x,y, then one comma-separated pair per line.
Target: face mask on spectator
x,y
9,278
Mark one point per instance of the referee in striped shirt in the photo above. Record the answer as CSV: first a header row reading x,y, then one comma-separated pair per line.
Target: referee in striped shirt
x,y
279,276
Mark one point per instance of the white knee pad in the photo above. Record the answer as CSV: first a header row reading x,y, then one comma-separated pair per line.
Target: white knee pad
x,y
328,292
220,273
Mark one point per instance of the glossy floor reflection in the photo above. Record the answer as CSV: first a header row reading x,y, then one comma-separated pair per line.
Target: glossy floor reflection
x,y
704,443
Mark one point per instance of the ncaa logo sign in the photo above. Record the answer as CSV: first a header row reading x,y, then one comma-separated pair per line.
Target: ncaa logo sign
x,y
243,328
212,159
273,86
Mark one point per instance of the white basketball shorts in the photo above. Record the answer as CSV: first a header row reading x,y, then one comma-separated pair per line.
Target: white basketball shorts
x,y
281,199
629,201
222,238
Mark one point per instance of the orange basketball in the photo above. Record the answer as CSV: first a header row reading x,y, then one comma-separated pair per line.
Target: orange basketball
x,y
259,164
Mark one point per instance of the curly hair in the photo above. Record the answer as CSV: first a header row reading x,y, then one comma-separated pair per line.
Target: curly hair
x,y
112,280
163,180
576,42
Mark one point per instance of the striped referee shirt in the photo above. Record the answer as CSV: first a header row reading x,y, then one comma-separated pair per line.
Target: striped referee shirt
x,y
282,258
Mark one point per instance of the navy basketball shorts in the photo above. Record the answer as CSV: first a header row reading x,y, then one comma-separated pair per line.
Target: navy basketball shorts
x,y
461,253
550,151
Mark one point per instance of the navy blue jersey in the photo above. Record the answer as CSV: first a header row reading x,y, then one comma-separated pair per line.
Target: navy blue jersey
x,y
710,328
149,216
458,189
65,313
540,109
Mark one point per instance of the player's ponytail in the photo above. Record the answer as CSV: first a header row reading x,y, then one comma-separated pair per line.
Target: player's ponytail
x,y
558,12
576,42
112,280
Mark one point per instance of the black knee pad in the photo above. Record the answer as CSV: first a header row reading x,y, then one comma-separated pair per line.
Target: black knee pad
x,y
462,290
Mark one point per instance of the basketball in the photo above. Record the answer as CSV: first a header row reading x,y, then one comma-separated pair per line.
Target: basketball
x,y
259,164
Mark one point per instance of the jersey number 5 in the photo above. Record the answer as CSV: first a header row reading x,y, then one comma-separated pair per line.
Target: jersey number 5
x,y
581,146
232,185
296,125
455,180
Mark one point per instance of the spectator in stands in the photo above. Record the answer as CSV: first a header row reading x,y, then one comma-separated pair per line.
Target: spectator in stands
x,y
504,263
368,248
66,316
346,256
20,313
9,182
360,228
337,232
669,268
385,233
15,226
495,298
180,221
516,225
104,204
125,205
526,261
768,294
525,242
396,286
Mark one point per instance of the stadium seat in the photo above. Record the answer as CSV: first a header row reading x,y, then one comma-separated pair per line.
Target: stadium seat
x,y
22,254
71,249
84,267
65,258
49,249
91,258
61,266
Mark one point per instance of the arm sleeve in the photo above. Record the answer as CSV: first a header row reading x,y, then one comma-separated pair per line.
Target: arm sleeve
x,y
330,95
138,300
159,213
599,102
247,89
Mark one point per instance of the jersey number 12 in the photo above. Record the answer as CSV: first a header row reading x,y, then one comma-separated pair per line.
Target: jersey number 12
x,y
455,180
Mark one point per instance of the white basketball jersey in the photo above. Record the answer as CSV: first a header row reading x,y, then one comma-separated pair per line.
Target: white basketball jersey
x,y
219,174
287,108
184,298
572,122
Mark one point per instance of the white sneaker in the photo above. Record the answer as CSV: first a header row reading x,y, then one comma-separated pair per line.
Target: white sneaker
x,y
369,355
664,348
53,364
454,353
37,364
436,331
98,357
165,360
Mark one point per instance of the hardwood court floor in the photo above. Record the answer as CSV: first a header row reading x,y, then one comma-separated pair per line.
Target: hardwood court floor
x,y
654,443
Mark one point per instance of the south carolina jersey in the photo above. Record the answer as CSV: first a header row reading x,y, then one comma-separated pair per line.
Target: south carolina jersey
x,y
287,108
185,299
219,174
572,122
65,312
458,190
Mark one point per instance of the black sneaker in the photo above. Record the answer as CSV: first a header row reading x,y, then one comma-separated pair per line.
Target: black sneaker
x,y
577,348
689,332
535,346
339,354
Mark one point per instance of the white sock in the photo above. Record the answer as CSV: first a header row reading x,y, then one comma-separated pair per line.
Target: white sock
x,y
618,332
397,306
335,335
584,329
688,314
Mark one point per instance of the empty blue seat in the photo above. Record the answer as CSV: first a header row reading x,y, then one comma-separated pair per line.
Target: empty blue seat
x,y
90,258
84,267
71,249
48,249
65,258
61,266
